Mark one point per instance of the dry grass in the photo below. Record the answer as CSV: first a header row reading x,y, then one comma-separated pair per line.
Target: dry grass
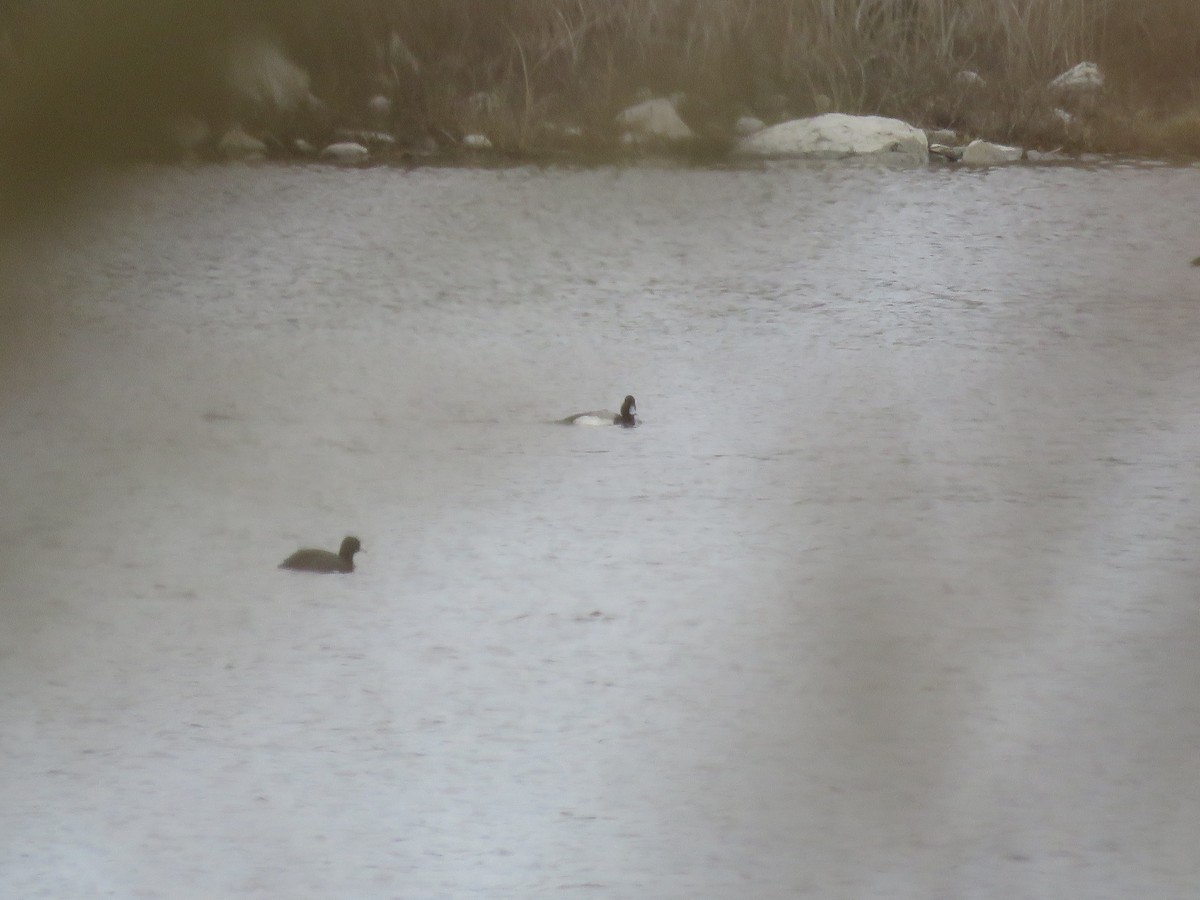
x,y
580,60
511,66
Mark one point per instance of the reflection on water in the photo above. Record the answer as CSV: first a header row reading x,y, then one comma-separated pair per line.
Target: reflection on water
x,y
893,594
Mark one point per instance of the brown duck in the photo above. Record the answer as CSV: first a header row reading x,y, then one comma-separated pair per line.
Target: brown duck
x,y
309,560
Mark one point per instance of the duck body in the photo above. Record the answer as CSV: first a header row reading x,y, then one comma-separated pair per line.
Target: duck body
x,y
323,561
627,417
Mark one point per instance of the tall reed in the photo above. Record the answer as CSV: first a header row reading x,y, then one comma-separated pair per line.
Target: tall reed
x,y
512,65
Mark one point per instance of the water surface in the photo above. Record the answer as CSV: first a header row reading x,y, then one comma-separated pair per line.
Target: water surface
x,y
892,594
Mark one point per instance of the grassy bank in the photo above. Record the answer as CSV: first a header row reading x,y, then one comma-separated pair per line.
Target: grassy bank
x,y
579,61
521,70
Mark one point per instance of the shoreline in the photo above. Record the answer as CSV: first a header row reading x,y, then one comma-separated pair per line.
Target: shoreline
x,y
693,154
503,160
547,82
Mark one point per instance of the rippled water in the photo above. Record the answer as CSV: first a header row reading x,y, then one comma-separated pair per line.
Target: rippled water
x,y
893,594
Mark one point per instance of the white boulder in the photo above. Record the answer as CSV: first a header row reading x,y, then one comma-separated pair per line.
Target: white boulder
x,y
985,153
654,119
839,136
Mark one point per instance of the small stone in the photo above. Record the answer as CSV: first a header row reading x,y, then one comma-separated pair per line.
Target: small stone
x,y
655,118
985,153
345,152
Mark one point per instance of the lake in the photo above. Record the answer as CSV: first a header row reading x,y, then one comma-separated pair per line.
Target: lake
x,y
893,593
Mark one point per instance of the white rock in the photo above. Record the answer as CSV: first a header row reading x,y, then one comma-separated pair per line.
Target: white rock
x,y
259,72
969,78
476,142
1086,76
345,152
985,153
303,147
1046,156
941,135
236,144
655,118
839,136
747,125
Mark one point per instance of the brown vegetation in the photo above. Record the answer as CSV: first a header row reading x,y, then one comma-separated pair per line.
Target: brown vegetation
x,y
520,69
578,61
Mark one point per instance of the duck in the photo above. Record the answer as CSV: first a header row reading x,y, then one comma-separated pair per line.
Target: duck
x,y
627,417
310,560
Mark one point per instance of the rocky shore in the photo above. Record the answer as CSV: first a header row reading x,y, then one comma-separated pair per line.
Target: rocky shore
x,y
280,117
378,82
